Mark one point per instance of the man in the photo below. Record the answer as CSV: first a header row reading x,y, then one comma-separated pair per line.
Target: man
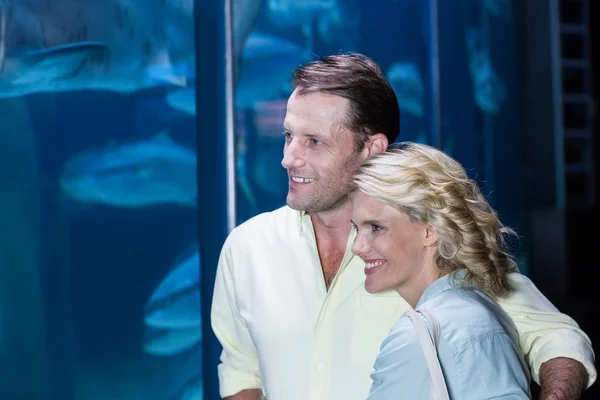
x,y
290,308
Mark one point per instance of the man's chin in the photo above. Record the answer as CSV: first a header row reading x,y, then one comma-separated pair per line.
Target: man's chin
x,y
294,205
297,204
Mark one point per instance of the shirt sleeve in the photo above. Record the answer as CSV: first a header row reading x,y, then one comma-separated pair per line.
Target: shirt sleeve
x,y
544,332
400,368
489,366
483,366
239,368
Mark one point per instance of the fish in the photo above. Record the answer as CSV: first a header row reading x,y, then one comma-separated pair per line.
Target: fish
x,y
113,45
175,303
489,89
407,82
173,325
167,342
265,68
147,172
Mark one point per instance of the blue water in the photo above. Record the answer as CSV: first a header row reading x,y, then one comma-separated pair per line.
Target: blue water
x,y
100,263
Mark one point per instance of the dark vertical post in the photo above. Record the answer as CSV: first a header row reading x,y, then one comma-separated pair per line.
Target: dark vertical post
x,y
542,94
24,351
214,127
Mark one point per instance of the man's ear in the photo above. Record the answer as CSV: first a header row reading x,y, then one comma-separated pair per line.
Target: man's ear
x,y
377,143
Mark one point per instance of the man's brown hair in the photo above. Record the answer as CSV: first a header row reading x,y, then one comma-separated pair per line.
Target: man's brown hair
x,y
373,107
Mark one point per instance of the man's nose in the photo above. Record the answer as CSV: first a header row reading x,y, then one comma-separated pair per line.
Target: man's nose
x,y
292,156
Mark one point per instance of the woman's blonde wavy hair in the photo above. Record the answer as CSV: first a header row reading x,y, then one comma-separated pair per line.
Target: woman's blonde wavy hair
x,y
432,188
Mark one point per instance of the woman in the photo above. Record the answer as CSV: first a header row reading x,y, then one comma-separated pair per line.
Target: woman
x,y
425,230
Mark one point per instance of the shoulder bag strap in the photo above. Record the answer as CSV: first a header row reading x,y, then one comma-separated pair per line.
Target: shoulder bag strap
x,y
438,390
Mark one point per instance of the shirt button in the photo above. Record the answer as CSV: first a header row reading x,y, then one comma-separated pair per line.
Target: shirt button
x,y
322,327
320,367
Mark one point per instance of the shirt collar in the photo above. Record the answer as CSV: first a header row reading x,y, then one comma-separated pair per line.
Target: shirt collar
x,y
302,218
446,282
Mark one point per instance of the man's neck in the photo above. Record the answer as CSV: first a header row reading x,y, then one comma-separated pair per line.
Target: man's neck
x,y
332,229
333,224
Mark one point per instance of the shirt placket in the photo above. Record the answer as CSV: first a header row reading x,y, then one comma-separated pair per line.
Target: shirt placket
x,y
321,363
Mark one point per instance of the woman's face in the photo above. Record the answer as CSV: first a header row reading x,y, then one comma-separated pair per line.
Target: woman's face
x,y
398,253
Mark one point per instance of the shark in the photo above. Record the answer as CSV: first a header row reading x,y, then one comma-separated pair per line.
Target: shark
x,y
153,171
112,45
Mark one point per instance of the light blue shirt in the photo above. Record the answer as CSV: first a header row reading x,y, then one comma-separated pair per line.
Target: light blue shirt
x,y
477,350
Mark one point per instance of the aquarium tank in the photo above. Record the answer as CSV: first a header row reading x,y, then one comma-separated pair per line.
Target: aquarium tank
x,y
104,207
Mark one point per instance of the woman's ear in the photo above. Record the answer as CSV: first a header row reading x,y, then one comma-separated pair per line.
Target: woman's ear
x,y
431,236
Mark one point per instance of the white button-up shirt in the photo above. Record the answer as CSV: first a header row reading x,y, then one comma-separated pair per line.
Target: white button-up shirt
x,y
282,331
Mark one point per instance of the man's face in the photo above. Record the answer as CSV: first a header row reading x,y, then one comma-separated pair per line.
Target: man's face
x,y
319,152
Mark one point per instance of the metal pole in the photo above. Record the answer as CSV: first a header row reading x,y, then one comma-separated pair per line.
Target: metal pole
x,y
434,62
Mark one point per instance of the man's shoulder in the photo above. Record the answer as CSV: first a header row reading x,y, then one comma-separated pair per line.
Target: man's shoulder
x,y
265,224
258,238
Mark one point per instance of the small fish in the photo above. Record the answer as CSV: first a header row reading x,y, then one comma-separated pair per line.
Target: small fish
x,y
407,82
489,90
143,173
175,303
